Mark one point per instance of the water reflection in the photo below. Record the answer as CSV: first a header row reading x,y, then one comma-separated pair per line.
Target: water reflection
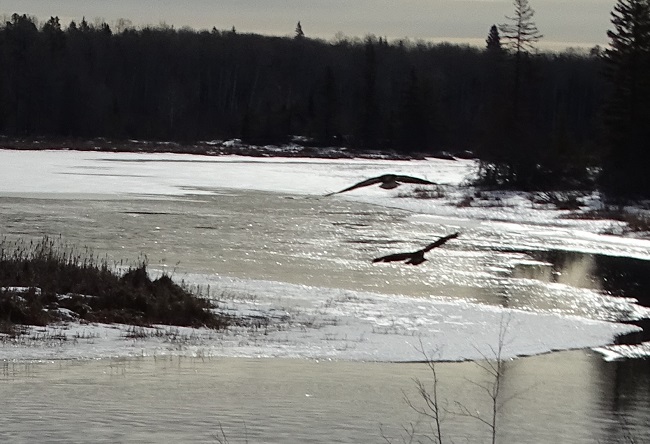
x,y
627,394
620,277
568,268
617,275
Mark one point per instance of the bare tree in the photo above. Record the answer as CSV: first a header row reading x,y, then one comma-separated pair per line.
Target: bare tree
x,y
521,33
519,36
431,410
495,367
434,409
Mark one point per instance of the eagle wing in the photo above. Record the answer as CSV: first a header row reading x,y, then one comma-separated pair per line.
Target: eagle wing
x,y
440,242
363,183
411,179
394,257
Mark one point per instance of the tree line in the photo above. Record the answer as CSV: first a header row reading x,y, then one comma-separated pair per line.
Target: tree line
x,y
535,119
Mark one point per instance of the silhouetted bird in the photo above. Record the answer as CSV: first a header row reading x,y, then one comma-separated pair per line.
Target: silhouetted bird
x,y
388,182
415,257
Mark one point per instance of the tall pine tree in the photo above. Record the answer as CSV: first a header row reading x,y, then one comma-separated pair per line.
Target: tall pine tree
x,y
510,156
520,36
626,169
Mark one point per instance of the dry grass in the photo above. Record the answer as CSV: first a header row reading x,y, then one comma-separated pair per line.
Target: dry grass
x,y
630,222
47,281
562,200
432,192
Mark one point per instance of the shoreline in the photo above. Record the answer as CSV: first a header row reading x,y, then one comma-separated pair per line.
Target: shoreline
x,y
298,147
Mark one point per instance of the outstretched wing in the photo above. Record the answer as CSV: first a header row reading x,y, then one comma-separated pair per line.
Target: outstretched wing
x,y
394,257
363,183
440,242
411,179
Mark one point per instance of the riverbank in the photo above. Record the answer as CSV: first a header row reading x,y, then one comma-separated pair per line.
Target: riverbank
x,y
297,147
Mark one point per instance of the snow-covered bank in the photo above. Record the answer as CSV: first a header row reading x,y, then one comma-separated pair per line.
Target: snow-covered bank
x,y
57,172
327,323
319,322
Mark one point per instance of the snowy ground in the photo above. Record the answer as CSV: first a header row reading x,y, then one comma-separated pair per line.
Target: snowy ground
x,y
316,322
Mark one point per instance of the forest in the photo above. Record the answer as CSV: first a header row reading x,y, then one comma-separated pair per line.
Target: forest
x,y
535,119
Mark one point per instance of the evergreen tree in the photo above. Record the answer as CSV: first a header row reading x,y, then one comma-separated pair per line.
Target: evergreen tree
x,y
494,115
627,165
514,159
493,40
22,39
299,34
83,26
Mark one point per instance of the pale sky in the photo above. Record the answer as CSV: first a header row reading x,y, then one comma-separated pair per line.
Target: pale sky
x,y
579,23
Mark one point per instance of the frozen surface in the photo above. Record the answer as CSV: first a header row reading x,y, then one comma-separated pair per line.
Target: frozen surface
x,y
325,323
320,322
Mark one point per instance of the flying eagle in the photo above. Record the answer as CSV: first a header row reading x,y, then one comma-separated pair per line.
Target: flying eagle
x,y
415,257
388,182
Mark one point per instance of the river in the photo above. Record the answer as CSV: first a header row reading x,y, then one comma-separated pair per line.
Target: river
x,y
568,396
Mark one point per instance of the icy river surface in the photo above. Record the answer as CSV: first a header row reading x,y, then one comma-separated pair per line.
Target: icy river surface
x,y
343,336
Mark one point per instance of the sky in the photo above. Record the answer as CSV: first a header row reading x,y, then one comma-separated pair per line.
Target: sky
x,y
564,23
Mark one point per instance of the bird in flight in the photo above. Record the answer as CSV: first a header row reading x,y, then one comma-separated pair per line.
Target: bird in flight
x,y
415,257
388,182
